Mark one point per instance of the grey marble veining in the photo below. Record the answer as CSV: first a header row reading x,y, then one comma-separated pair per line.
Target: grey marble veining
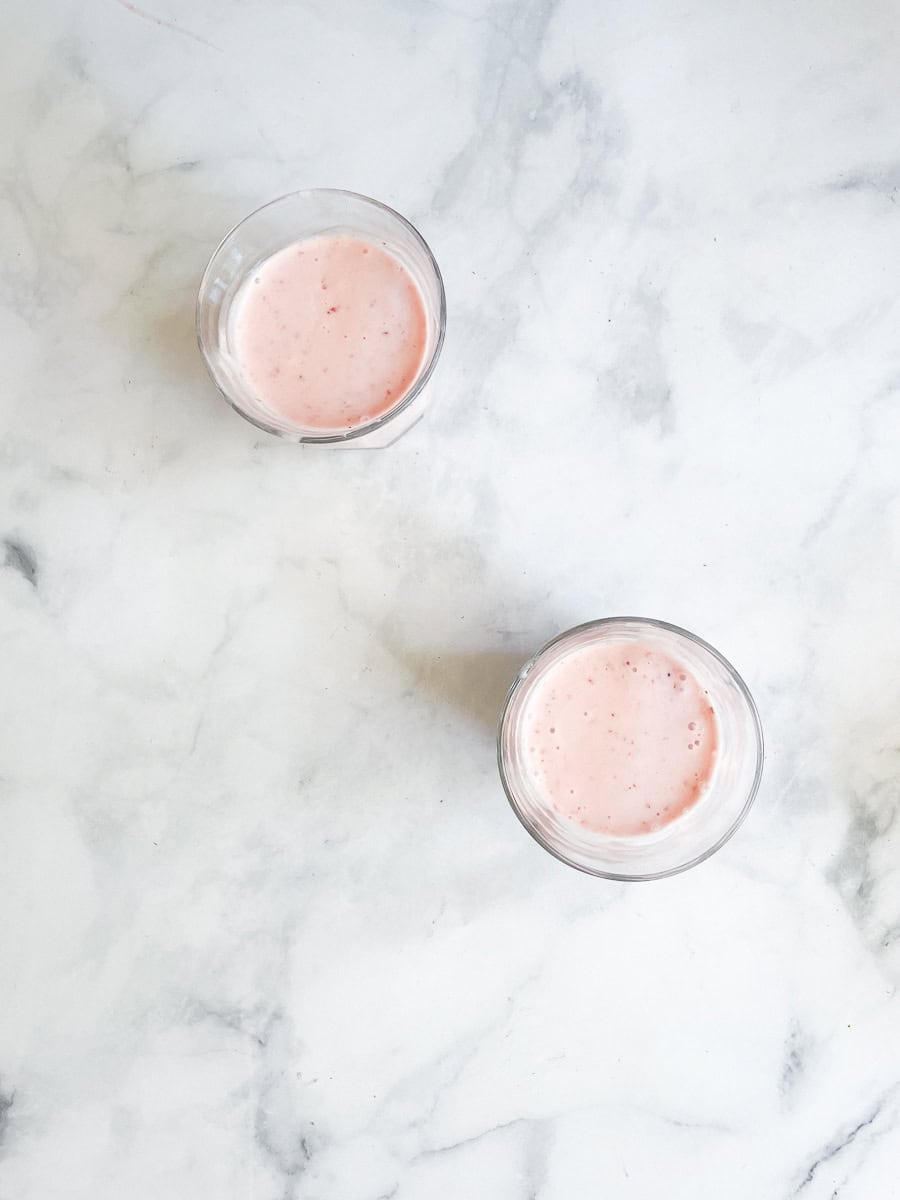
x,y
270,929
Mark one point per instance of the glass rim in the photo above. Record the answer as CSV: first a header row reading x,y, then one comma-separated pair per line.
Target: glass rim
x,y
298,433
598,871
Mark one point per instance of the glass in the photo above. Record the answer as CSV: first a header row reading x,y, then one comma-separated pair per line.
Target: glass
x,y
279,224
689,838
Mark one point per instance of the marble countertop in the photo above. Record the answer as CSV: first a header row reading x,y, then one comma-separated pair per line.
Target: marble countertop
x,y
270,930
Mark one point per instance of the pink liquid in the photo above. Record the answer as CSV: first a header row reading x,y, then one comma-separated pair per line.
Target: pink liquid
x,y
619,737
330,332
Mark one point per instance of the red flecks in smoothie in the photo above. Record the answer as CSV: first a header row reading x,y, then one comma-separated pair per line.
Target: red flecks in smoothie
x,y
642,771
315,359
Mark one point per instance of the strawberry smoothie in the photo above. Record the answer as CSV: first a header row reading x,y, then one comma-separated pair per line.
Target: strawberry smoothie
x,y
619,737
330,332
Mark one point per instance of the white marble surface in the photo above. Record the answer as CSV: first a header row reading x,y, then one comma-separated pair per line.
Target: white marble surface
x,y
269,929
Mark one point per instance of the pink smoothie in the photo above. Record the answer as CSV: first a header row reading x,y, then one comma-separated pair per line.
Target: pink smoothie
x,y
330,332
619,737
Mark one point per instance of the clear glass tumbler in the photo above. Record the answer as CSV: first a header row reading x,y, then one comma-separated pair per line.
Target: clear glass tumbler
x,y
696,833
270,229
